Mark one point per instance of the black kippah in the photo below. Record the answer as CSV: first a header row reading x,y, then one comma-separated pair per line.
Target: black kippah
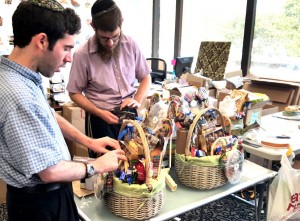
x,y
101,7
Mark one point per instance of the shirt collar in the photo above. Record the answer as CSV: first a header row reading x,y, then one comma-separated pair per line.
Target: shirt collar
x,y
27,73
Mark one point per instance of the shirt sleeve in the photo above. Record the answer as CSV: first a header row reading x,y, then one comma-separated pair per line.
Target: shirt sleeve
x,y
34,138
142,68
78,78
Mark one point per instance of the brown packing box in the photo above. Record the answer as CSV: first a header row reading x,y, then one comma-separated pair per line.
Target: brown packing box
x,y
269,109
222,94
81,151
212,92
76,116
235,82
281,84
254,113
59,112
77,149
2,191
198,81
181,91
280,96
181,141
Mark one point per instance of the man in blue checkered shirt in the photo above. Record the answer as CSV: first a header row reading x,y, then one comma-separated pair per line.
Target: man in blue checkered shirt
x,y
34,159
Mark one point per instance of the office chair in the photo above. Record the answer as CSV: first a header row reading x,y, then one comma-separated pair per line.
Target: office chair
x,y
158,69
212,59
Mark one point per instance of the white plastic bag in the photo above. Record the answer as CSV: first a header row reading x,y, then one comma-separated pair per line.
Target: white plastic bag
x,y
284,193
227,106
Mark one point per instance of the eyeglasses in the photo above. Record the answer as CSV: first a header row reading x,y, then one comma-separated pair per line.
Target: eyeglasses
x,y
114,39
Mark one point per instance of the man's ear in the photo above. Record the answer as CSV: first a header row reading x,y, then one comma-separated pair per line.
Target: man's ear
x,y
41,40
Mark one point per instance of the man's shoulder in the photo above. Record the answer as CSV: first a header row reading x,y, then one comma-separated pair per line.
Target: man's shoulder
x,y
127,39
130,43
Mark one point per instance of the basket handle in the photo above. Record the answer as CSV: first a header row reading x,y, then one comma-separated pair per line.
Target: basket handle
x,y
190,132
214,144
145,147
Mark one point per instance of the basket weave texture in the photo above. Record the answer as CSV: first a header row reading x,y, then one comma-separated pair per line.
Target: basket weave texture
x,y
145,206
199,176
135,208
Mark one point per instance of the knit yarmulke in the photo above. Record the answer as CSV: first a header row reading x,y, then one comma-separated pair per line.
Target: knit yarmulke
x,y
101,7
48,4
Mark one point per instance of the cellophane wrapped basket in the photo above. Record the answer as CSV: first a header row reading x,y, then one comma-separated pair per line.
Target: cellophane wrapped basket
x,y
205,172
137,201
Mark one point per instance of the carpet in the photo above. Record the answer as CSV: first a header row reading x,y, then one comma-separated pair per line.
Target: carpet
x,y
227,209
3,212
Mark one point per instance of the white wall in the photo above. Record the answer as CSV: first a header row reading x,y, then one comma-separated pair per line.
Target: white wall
x,y
6,12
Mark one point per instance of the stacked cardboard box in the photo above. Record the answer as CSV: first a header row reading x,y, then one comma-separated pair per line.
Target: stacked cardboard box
x,y
282,94
76,116
2,191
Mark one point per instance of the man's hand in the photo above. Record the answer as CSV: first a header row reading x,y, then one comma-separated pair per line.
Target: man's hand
x,y
109,117
99,145
109,161
131,103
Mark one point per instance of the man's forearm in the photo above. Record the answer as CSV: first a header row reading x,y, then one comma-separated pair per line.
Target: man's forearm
x,y
143,89
85,104
71,133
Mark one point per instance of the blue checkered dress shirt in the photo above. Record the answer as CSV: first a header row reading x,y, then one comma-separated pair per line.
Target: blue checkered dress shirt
x,y
30,138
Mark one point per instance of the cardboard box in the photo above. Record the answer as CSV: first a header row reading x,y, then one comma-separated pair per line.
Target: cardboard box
x,y
221,94
254,113
269,109
282,84
235,82
280,96
2,191
77,149
181,91
75,115
212,92
197,80
81,150
59,112
181,141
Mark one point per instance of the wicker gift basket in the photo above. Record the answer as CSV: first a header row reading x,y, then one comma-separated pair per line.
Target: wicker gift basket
x,y
207,171
137,201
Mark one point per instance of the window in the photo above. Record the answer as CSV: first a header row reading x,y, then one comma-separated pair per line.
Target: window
x,y
214,20
166,31
276,44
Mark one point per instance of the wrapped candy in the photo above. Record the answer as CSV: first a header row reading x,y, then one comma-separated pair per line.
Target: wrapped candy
x,y
140,169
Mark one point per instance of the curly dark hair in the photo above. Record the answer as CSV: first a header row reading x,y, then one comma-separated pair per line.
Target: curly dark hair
x,y
29,20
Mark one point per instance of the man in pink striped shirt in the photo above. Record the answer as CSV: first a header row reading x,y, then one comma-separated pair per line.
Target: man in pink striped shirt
x,y
104,70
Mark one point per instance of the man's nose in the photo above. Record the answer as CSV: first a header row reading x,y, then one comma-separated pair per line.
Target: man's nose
x,y
68,58
110,43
